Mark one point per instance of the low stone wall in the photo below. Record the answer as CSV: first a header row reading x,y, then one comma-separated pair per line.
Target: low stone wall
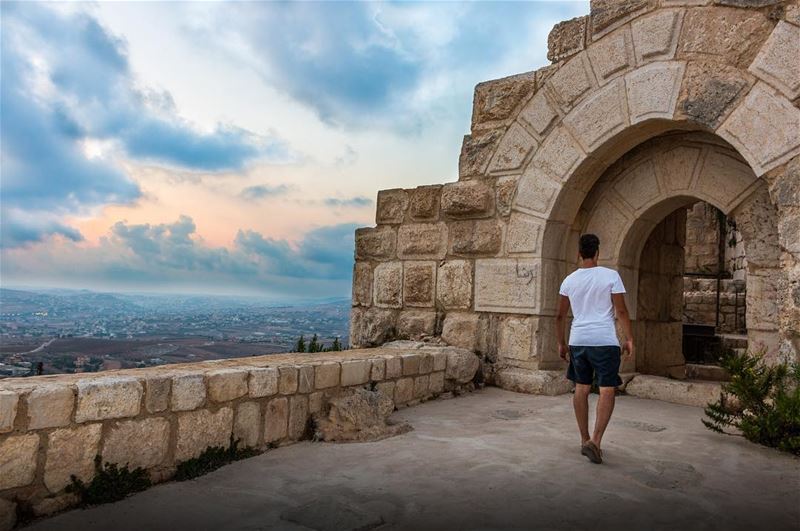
x,y
700,303
52,427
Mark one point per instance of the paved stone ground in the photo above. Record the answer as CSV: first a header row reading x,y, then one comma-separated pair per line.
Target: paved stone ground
x,y
490,460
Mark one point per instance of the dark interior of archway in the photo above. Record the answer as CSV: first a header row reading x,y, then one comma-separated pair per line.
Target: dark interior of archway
x,y
691,303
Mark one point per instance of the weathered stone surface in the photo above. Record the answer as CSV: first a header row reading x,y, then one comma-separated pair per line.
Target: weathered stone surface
x,y
227,384
513,149
378,243
263,381
566,38
515,338
504,193
326,375
421,386
719,32
8,515
496,100
655,36
462,330
287,380
316,401
276,419
424,202
371,327
305,378
419,280
411,364
54,504
358,415
394,368
462,365
605,13
298,417
378,371
404,390
70,451
539,113
9,401
362,284
697,394
792,14
392,205
777,62
198,430
18,460
157,390
533,382
475,237
467,199
573,80
476,150
188,392
436,383
612,55
356,372
416,324
388,285
599,117
108,398
137,443
653,91
386,388
422,240
724,176
558,157
709,90
524,234
506,285
454,285
50,407
425,363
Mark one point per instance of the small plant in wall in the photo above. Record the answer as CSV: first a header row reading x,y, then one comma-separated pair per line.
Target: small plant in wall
x,y
211,459
761,402
109,484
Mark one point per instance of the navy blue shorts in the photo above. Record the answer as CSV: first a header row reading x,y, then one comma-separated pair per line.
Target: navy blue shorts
x,y
587,362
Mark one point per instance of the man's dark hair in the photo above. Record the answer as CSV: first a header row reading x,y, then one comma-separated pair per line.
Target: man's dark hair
x,y
588,245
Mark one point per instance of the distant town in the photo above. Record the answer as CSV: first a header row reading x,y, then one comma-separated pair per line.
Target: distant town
x,y
65,331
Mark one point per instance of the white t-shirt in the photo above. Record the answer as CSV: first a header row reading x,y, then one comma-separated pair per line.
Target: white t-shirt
x,y
589,290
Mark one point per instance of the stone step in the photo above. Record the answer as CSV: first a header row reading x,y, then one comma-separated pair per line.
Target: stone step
x,y
696,393
714,373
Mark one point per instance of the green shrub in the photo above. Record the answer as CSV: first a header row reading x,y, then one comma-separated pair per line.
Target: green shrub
x,y
761,401
110,484
211,459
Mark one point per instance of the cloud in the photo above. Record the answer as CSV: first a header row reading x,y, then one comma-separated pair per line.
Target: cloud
x,y
261,191
358,201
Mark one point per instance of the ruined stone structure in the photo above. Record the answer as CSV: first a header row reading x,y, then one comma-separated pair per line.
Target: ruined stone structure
x,y
648,107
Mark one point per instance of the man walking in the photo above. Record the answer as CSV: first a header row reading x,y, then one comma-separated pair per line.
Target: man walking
x,y
594,293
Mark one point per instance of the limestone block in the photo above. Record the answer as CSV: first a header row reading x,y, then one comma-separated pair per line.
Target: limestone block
x,y
404,390
355,372
496,100
504,193
462,365
439,359
305,378
287,380
108,398
18,460
653,91
422,240
539,113
388,285
467,199
276,419
416,324
461,330
514,148
558,156
605,222
8,410
371,327
71,451
326,375
454,285
421,386
599,117
536,193
476,151
394,367
298,417
475,237
436,383
263,381
606,14
188,392
507,285
515,338
227,384
247,426
697,394
792,14
378,371
378,243
638,186
677,167
386,388
50,407
200,429
777,63
655,36
612,55
157,390
8,515
724,176
316,402
362,284
419,279
762,297
54,504
137,443
709,90
392,205
720,32
566,38
572,81
425,363
524,233
533,382
424,202
765,128
411,364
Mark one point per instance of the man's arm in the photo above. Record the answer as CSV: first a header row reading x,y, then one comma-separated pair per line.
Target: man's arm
x,y
624,318
561,319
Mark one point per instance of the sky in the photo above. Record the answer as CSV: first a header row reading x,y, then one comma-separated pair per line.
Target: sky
x,y
232,148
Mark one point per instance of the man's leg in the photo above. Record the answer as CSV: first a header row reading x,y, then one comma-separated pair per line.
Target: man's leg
x,y
581,403
605,406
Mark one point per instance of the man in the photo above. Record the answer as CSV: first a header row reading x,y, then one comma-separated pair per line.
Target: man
x,y
594,293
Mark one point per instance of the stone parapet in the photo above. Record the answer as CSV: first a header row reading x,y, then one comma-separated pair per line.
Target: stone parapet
x,y
53,427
